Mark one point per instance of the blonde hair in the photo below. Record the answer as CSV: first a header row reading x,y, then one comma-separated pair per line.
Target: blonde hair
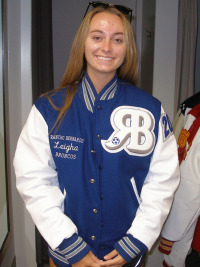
x,y
76,67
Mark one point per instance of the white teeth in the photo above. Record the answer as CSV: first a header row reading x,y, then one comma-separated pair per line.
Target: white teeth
x,y
105,58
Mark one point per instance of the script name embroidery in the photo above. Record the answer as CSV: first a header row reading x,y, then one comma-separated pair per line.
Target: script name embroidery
x,y
66,147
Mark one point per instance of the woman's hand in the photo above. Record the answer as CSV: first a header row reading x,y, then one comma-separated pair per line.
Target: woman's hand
x,y
113,259
90,260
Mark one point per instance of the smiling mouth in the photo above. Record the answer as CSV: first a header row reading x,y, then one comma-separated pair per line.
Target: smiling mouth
x,y
105,58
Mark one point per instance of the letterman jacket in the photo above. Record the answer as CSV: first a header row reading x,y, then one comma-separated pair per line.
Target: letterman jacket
x,y
105,178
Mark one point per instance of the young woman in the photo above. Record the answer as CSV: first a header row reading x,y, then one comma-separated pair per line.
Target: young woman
x,y
96,162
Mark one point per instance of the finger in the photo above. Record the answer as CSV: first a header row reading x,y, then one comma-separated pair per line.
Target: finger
x,y
86,261
93,257
111,255
119,261
108,263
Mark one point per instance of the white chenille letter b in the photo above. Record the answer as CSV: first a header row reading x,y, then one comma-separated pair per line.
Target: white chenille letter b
x,y
133,131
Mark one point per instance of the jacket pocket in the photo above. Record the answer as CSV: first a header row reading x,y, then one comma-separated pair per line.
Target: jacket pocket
x,y
135,190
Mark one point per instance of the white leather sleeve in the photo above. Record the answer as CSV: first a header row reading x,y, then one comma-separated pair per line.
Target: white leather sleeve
x,y
158,190
37,181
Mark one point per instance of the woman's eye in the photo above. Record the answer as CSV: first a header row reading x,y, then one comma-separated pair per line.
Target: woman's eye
x,y
118,40
97,38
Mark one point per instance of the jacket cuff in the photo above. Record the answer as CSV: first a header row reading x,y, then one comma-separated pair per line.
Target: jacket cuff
x,y
70,251
165,246
129,247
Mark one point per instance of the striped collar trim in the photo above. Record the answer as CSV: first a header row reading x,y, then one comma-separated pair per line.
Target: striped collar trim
x,y
90,94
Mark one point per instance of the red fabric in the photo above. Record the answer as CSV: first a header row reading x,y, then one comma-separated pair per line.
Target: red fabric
x,y
196,239
166,265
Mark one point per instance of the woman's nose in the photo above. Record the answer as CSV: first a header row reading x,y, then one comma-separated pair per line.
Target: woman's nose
x,y
107,46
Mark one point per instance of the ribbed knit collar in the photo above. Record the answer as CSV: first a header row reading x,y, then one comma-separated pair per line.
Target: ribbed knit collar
x,y
90,94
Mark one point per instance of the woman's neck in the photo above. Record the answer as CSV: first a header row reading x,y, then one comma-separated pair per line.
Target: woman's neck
x,y
100,80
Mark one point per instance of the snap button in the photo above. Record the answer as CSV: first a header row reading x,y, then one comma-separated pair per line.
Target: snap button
x,y
92,151
100,107
101,197
95,210
98,136
92,181
93,237
100,167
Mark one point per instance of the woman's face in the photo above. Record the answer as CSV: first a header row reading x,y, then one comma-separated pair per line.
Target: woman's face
x,y
105,47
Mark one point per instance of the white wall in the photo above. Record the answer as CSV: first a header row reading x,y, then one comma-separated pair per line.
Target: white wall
x,y
147,45
165,53
20,101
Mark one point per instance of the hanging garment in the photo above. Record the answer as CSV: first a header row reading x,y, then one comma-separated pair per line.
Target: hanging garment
x,y
179,228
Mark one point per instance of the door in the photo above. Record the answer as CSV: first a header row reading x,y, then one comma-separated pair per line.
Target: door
x,y
7,258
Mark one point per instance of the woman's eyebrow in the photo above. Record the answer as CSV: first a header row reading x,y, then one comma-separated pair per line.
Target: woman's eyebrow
x,y
96,31
99,31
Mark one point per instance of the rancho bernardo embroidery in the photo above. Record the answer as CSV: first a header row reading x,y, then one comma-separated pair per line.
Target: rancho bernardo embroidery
x,y
58,144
